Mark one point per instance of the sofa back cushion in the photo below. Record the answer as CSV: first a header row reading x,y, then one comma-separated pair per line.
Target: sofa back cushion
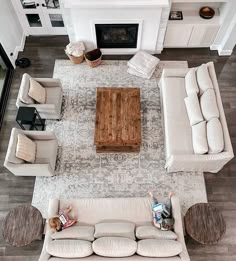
x,y
151,232
209,105
117,229
158,248
204,79
75,232
69,248
114,246
191,84
215,136
193,109
200,145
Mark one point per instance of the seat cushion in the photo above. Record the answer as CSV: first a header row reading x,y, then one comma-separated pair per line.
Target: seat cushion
x,y
53,96
69,248
178,132
116,229
200,145
151,232
209,105
159,248
114,247
25,148
215,136
75,232
204,79
191,82
37,91
46,152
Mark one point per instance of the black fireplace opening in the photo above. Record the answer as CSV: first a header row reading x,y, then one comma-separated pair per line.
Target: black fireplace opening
x,y
116,35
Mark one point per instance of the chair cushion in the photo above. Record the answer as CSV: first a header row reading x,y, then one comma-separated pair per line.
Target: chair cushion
x,y
204,79
200,145
25,148
191,85
117,229
114,246
46,152
151,232
53,96
24,90
37,91
193,109
69,248
159,248
75,232
215,136
209,105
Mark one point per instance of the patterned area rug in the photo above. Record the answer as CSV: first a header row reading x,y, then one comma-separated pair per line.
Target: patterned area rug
x,y
80,172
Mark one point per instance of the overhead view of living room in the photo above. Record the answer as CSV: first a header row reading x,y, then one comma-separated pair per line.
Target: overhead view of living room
x,y
117,130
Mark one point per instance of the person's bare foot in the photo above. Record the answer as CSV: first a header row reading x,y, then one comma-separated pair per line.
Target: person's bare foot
x,y
171,194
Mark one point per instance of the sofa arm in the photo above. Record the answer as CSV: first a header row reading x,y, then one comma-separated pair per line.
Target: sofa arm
x,y
49,82
40,135
178,227
171,72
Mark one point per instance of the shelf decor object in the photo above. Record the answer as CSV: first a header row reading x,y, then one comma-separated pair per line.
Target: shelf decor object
x,y
176,15
206,12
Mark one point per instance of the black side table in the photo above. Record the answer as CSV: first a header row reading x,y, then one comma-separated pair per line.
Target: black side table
x,y
29,119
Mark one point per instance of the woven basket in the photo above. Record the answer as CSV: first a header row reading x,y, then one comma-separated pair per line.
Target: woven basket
x,y
76,60
95,62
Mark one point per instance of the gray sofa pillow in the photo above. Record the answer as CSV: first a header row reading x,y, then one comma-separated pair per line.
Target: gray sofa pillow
x,y
75,232
151,232
117,229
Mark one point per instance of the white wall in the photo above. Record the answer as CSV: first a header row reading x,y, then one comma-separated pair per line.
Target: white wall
x,y
11,33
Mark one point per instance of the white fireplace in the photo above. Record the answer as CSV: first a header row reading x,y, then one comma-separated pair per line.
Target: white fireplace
x,y
150,17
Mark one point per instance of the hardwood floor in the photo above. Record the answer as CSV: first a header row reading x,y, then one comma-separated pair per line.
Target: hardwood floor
x,y
221,187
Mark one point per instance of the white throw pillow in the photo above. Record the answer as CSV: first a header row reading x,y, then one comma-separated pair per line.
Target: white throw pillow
x,y
114,246
159,248
199,136
37,91
193,109
25,148
204,79
209,105
24,90
191,85
215,136
75,232
69,248
151,232
117,229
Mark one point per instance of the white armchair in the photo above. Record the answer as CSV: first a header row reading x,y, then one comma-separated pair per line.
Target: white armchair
x,y
46,154
51,109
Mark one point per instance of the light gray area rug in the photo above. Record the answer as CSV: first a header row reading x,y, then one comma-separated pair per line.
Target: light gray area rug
x,y
80,172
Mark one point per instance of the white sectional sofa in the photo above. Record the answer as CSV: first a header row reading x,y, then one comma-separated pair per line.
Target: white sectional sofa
x,y
179,151
64,245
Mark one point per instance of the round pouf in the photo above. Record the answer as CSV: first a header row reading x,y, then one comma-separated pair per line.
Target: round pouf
x,y
23,225
204,223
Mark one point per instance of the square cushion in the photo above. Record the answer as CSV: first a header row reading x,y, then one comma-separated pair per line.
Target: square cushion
x,y
159,248
118,229
25,148
191,85
151,232
53,96
114,246
204,79
209,105
37,91
75,232
69,248
200,145
24,90
46,152
193,109
215,136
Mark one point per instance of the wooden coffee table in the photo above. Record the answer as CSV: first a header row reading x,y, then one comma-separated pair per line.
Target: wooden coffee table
x,y
118,120
204,223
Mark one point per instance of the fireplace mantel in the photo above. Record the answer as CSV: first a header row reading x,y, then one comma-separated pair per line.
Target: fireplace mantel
x,y
115,3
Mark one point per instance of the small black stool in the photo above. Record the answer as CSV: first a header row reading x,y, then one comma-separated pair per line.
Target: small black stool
x,y
29,116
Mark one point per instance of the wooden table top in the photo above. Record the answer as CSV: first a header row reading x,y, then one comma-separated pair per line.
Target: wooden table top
x,y
23,225
118,117
204,223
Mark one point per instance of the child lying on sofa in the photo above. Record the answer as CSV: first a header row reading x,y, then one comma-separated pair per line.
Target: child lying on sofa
x,y
62,221
162,216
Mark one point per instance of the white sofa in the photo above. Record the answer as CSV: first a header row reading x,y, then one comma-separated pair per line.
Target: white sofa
x,y
178,133
95,210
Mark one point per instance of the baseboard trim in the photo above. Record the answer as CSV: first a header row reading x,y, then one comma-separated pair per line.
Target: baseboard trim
x,y
224,52
19,48
214,47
